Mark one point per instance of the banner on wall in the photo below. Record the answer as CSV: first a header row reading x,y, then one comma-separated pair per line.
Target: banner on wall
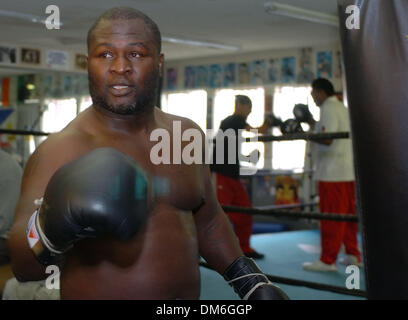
x,y
7,55
324,64
300,68
30,56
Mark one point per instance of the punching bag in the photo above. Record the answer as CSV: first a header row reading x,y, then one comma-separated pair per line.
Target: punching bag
x,y
376,68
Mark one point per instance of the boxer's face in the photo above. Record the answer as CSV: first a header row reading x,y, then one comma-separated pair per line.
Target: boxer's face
x,y
124,66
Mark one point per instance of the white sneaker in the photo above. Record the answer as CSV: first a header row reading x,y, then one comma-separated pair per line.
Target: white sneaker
x,y
350,260
319,266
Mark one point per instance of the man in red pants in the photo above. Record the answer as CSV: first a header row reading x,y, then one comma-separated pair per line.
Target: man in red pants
x,y
230,190
335,176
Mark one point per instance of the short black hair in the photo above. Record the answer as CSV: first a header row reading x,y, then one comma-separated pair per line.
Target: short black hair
x,y
127,13
323,84
241,99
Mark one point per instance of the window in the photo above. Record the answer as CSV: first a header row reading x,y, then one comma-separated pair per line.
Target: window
x,y
191,105
58,114
224,103
290,155
85,103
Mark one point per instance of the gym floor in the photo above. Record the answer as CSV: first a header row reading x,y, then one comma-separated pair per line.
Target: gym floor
x,y
284,254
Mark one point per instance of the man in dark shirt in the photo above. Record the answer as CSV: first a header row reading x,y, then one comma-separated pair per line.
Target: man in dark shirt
x,y
230,190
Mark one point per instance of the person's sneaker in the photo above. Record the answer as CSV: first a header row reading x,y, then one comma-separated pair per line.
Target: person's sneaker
x,y
350,260
319,266
254,255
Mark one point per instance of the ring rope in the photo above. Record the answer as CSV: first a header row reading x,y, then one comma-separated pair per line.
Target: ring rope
x,y
300,136
291,214
24,132
308,284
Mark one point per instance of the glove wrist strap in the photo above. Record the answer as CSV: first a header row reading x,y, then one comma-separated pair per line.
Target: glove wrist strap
x,y
39,243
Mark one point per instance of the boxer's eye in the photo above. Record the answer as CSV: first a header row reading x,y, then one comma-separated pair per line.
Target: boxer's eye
x,y
106,54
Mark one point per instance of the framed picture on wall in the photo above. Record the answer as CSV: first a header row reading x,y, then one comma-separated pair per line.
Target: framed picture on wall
x,y
216,76
7,55
189,77
229,74
258,74
171,79
30,56
288,68
201,77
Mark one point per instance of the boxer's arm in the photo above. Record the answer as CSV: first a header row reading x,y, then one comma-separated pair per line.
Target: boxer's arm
x,y
42,164
217,241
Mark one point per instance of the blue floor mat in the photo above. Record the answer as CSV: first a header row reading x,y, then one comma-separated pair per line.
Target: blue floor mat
x,y
284,254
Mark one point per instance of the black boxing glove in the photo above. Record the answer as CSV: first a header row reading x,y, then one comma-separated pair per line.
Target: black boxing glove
x,y
291,126
272,121
250,283
103,192
302,113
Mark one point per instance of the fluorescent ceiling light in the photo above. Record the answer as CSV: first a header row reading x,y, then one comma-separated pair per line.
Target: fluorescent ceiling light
x,y
196,43
300,13
23,16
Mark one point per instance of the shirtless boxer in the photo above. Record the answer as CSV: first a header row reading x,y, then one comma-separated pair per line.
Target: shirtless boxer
x,y
155,257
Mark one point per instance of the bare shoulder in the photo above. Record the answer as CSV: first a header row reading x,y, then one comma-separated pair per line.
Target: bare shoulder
x,y
54,152
169,119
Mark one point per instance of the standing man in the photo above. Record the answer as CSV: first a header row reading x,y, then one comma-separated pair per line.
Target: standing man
x,y
98,220
334,174
10,181
230,190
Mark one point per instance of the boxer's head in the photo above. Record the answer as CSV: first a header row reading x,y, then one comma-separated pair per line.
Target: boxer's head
x,y
243,105
321,90
124,61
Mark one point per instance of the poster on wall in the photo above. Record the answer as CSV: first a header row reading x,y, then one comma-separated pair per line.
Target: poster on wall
x,y
30,56
229,74
56,59
305,75
171,79
81,62
189,77
287,190
324,64
243,73
258,74
273,70
7,55
201,77
216,77
288,67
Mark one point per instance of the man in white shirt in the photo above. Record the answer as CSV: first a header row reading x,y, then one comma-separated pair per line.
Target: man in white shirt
x,y
334,173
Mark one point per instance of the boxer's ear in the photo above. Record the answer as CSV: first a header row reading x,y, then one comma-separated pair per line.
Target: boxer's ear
x,y
161,62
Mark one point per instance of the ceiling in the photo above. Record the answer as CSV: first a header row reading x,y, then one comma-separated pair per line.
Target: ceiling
x,y
242,23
